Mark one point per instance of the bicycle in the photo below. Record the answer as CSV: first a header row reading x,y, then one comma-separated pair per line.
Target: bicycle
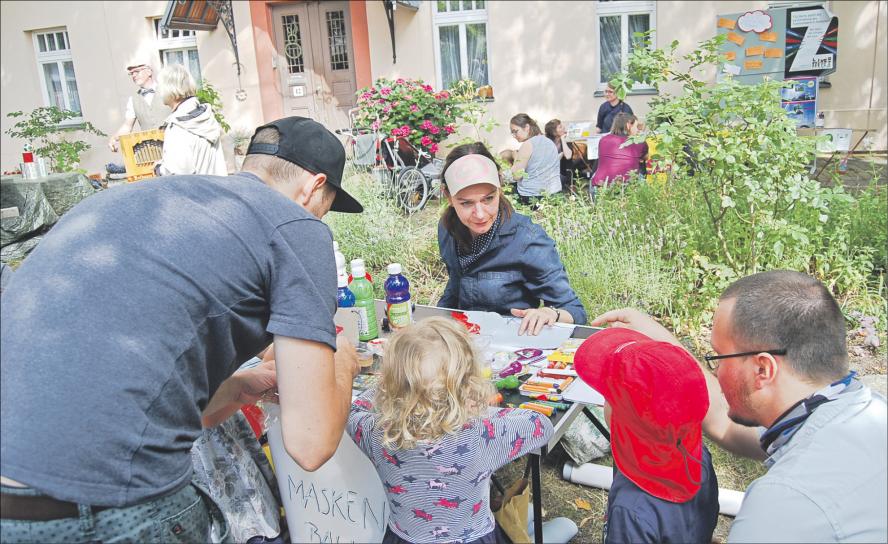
x,y
408,175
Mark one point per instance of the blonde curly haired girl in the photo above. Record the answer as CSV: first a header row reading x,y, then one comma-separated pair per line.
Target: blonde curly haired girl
x,y
433,438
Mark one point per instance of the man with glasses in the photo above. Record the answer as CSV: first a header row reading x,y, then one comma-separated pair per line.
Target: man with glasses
x,y
142,105
609,109
782,393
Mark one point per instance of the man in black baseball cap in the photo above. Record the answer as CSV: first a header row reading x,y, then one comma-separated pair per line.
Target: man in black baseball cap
x,y
200,273
307,144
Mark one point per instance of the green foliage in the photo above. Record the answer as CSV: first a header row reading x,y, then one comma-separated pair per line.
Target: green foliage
x,y
472,110
207,94
750,166
43,130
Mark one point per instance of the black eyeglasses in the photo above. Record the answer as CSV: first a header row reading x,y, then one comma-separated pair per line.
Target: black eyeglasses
x,y
712,360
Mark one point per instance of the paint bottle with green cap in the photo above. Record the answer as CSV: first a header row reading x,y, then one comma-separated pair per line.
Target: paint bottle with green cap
x,y
363,291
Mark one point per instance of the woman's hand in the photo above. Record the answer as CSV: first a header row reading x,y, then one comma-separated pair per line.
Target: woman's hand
x,y
534,319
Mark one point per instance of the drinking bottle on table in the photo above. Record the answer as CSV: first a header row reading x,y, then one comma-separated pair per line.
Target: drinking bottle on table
x,y
366,274
340,259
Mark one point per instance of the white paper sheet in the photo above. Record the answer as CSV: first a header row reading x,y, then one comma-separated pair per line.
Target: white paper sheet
x,y
504,331
583,394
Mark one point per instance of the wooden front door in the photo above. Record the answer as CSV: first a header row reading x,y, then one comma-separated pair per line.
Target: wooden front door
x,y
315,60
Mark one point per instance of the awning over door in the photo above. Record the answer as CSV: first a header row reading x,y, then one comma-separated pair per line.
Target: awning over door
x,y
190,15
202,15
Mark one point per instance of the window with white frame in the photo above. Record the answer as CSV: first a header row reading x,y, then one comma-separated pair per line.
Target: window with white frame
x,y
461,41
618,21
56,69
178,47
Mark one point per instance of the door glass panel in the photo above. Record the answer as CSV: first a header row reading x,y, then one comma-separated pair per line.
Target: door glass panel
x,y
338,40
293,44
610,44
450,59
54,85
71,84
476,52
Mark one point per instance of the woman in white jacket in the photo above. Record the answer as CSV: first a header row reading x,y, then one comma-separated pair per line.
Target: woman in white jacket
x,y
192,142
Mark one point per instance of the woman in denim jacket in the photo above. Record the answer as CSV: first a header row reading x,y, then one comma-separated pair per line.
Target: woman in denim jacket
x,y
497,259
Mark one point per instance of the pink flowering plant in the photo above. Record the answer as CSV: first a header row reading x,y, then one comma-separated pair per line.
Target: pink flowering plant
x,y
410,109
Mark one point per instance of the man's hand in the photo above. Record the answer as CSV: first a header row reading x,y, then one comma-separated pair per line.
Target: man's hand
x,y
346,358
534,319
257,382
636,320
244,387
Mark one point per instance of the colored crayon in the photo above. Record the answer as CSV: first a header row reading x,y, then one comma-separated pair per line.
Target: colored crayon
x,y
545,410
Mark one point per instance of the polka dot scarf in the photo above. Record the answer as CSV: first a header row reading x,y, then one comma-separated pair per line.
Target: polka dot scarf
x,y
479,246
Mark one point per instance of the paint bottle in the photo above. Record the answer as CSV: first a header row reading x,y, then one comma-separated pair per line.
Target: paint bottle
x,y
366,274
344,297
368,329
397,298
340,260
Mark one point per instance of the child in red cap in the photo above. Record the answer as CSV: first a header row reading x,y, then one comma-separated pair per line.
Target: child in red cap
x,y
664,487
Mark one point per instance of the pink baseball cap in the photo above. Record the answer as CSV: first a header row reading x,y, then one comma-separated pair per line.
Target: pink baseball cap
x,y
470,170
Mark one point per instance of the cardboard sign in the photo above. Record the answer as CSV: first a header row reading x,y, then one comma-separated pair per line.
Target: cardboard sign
x,y
343,501
347,319
811,41
834,139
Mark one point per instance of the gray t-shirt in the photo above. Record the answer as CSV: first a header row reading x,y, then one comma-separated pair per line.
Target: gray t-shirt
x,y
542,171
122,323
827,484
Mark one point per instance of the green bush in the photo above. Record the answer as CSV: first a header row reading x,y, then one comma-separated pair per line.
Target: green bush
x,y
44,130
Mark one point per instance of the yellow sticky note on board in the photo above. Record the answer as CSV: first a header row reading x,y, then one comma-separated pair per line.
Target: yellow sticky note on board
x,y
768,36
726,23
736,38
755,51
730,55
752,64
773,53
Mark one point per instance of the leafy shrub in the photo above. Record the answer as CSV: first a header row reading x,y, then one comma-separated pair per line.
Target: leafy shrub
x,y
207,94
44,131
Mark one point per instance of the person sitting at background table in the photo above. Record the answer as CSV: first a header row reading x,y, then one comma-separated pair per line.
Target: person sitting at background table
x,y
497,259
572,157
609,109
536,163
192,141
616,159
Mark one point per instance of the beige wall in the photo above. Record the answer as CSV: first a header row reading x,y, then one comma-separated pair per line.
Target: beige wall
x,y
544,55
104,36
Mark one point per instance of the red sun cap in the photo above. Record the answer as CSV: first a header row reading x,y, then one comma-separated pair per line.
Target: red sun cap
x,y
658,398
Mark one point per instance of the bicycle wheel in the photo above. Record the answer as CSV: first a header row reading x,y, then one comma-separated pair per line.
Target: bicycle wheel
x,y
413,189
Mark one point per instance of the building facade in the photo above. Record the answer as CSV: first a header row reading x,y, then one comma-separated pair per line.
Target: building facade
x,y
546,58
